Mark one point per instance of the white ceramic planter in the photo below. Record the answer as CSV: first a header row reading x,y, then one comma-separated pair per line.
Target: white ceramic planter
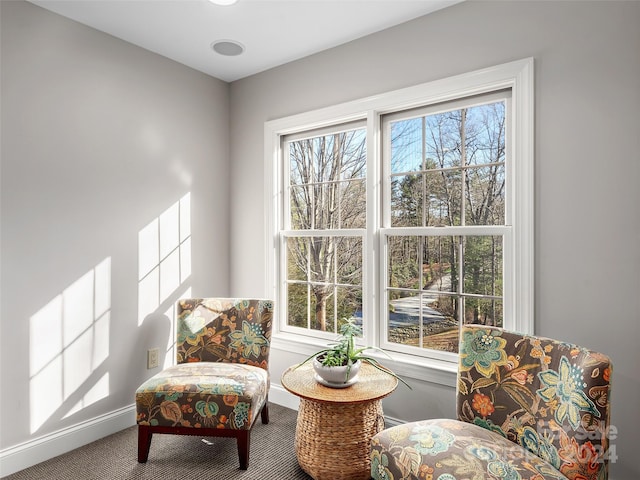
x,y
336,377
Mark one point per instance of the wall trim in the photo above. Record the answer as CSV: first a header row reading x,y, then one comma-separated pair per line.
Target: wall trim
x,y
392,422
280,396
45,447
42,448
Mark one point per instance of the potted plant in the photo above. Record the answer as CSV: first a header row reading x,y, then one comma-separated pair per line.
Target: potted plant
x,y
337,366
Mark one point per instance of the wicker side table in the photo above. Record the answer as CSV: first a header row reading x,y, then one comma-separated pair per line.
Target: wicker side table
x,y
335,426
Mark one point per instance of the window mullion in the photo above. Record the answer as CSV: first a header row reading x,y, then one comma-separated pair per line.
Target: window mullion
x,y
373,270
463,164
460,289
308,275
335,284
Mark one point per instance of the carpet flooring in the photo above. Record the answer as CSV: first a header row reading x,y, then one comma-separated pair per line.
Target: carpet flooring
x,y
172,457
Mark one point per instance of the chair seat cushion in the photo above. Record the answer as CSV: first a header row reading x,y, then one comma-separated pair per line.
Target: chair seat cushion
x,y
449,450
203,395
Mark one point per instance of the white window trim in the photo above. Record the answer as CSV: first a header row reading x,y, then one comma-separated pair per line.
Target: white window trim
x,y
517,76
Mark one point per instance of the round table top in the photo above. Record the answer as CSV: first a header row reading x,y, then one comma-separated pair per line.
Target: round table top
x,y
372,384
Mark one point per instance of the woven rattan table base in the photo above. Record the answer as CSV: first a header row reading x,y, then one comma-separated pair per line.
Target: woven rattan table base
x,y
336,425
332,440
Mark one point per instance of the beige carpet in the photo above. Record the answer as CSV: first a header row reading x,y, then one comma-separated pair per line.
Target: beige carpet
x,y
272,456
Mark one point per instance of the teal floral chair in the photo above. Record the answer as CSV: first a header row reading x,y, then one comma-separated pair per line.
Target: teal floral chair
x,y
221,380
528,408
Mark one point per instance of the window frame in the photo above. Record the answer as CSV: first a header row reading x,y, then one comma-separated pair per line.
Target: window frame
x,y
288,231
515,76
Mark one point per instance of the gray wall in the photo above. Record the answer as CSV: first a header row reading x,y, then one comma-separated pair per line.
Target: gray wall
x,y
99,138
587,87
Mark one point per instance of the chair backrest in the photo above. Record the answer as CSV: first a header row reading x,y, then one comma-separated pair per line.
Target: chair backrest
x,y
232,330
550,397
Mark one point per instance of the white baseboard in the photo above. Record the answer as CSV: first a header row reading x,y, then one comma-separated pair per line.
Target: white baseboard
x,y
279,396
45,447
392,422
27,454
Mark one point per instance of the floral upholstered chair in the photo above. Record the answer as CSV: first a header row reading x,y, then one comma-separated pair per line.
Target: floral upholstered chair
x,y
528,407
221,380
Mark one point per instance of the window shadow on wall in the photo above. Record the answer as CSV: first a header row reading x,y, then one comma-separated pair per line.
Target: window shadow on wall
x,y
69,337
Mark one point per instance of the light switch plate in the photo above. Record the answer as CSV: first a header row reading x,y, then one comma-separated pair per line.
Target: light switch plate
x,y
152,357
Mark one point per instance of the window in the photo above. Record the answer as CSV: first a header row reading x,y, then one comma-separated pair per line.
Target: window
x,y
324,226
410,211
444,220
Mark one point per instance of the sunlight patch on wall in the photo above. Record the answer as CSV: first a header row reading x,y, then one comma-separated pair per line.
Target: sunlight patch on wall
x,y
170,347
68,341
98,391
164,256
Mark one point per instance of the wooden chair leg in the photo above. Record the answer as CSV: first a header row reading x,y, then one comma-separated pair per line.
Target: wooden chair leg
x,y
144,442
243,448
264,414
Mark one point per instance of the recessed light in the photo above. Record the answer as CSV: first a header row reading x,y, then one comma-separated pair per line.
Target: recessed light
x,y
223,2
228,48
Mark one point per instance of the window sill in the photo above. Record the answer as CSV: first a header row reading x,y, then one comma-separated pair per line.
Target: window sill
x,y
406,366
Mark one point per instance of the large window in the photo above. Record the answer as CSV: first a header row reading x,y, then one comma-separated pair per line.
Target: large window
x,y
411,212
324,226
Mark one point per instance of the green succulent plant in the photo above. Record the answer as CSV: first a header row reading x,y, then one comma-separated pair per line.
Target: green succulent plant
x,y
344,352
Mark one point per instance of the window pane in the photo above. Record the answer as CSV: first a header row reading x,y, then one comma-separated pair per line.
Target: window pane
x,y
326,175
297,305
483,265
431,199
330,311
444,152
485,196
352,204
483,311
321,258
443,138
428,263
439,264
325,274
441,324
404,318
335,260
349,260
485,134
322,311
407,200
423,294
300,205
434,314
406,145
404,262
297,254
349,301
443,189
351,154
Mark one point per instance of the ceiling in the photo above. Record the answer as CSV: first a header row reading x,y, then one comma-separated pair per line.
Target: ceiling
x,y
273,32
